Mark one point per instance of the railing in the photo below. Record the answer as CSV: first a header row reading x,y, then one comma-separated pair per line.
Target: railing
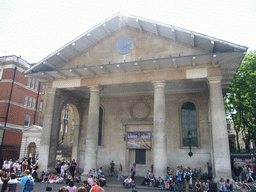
x,y
250,152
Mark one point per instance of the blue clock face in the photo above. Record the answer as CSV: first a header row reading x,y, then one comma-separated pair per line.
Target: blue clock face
x,y
124,45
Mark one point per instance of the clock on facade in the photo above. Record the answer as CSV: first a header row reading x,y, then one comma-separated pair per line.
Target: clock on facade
x,y
124,45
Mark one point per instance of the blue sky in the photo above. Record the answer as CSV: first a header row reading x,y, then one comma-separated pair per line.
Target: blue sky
x,y
36,28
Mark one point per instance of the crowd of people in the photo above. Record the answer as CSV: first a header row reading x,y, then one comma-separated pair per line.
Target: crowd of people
x,y
180,180
15,172
172,181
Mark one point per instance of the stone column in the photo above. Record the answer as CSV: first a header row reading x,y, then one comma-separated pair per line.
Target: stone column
x,y
92,130
49,135
159,130
221,155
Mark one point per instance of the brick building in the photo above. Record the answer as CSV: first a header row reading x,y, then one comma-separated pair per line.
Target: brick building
x,y
21,104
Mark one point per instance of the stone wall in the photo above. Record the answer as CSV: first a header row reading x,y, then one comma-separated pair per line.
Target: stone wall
x,y
118,120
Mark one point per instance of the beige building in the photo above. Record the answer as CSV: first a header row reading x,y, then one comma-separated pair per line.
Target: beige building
x,y
137,88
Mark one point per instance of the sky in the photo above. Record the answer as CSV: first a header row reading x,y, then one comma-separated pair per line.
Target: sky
x,y
33,29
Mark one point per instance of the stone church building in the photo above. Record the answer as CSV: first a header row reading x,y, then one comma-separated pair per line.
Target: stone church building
x,y
142,92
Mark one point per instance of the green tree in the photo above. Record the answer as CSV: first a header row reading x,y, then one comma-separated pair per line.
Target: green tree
x,y
240,100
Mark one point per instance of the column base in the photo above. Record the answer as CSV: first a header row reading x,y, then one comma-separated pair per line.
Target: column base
x,y
84,177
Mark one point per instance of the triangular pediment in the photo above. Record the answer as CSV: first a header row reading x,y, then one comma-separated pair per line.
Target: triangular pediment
x,y
139,45
111,26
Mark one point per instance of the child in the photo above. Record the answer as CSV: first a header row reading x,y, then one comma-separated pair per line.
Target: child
x,y
12,183
90,180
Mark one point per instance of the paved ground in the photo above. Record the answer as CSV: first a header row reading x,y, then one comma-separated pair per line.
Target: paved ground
x,y
112,186
40,187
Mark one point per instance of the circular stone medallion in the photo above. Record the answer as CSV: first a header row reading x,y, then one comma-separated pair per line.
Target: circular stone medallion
x,y
140,110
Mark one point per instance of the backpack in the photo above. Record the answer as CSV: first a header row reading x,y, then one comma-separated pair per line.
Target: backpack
x,y
29,184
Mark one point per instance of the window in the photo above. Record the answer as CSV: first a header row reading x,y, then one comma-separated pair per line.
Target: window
x,y
26,100
36,87
66,128
73,124
140,156
61,127
29,81
189,123
43,89
33,84
68,113
1,72
41,105
72,139
34,103
27,120
30,101
100,127
41,122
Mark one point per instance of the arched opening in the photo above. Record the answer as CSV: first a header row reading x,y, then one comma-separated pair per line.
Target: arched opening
x,y
68,133
31,150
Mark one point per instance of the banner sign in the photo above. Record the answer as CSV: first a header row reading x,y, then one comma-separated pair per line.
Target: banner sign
x,y
139,140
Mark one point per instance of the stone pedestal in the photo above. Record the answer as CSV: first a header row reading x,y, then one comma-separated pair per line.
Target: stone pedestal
x,y
159,131
221,155
92,130
49,135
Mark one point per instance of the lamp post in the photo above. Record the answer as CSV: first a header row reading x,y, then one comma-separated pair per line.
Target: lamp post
x,y
190,143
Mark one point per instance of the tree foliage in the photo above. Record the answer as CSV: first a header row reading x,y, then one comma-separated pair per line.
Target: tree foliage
x,y
240,100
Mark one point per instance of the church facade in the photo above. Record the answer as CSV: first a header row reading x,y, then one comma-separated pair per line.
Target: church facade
x,y
142,92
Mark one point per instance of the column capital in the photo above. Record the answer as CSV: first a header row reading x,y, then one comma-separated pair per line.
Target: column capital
x,y
95,88
158,84
214,79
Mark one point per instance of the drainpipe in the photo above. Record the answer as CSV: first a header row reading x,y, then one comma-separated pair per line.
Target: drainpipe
x,y
38,93
9,103
8,107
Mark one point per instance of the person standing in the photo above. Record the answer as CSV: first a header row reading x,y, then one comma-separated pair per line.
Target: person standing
x,y
24,180
112,168
96,187
120,172
238,172
73,168
133,171
209,176
180,177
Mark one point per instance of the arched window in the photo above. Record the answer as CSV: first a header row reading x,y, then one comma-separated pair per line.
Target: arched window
x,y
100,126
189,123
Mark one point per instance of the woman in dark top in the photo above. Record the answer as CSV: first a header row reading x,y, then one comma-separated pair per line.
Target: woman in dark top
x,y
5,178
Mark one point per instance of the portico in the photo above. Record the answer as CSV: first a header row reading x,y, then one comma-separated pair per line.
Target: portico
x,y
163,84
